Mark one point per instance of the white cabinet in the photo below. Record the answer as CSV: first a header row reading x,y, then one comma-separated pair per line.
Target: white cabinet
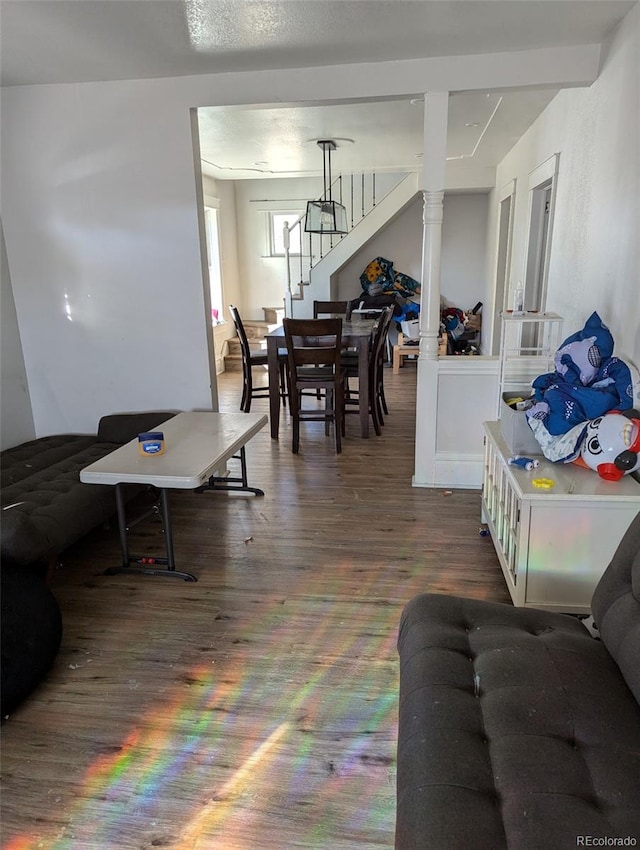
x,y
553,544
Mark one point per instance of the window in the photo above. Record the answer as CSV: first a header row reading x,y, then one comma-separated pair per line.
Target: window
x,y
276,229
213,259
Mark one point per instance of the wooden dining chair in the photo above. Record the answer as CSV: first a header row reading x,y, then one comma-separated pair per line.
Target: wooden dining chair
x,y
313,349
375,373
329,309
251,358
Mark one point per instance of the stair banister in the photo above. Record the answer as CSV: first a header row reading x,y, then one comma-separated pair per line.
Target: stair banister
x,y
286,238
356,216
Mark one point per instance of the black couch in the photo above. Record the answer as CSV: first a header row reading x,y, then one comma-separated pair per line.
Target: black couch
x,y
518,728
45,506
31,631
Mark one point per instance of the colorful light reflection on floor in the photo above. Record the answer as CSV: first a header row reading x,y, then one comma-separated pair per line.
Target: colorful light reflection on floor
x,y
231,749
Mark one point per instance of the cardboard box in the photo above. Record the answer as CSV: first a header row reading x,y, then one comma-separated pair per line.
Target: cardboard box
x,y
411,329
515,428
474,323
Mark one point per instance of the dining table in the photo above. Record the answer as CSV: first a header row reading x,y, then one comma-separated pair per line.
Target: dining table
x,y
355,334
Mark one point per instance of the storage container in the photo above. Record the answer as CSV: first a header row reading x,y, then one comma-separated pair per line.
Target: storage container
x,y
151,443
411,329
515,428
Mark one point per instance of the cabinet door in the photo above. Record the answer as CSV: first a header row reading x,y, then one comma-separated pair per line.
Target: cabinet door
x,y
570,545
501,509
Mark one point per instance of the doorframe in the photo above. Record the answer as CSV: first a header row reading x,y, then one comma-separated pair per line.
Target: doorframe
x,y
542,178
504,241
204,262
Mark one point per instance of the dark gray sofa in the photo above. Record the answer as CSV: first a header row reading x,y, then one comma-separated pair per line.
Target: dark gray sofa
x,y
30,632
517,728
45,506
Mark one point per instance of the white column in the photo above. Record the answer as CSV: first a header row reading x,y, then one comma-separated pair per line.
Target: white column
x,y
432,214
436,106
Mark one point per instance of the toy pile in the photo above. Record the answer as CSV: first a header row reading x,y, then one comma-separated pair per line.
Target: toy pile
x,y
459,325
383,286
570,407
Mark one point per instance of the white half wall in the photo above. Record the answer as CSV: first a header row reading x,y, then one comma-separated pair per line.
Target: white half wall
x,y
466,399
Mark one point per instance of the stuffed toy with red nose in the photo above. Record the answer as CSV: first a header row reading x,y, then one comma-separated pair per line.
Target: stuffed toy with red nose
x,y
611,445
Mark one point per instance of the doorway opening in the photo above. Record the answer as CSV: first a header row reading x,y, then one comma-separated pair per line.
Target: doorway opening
x,y
542,192
535,289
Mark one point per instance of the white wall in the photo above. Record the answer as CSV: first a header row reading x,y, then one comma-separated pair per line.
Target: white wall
x,y
17,416
264,278
595,260
464,249
102,238
232,290
400,241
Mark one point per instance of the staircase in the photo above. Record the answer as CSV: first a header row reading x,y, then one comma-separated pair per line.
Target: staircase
x,y
326,258
256,330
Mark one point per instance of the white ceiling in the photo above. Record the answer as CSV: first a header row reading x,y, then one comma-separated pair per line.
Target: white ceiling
x,y
53,41
371,136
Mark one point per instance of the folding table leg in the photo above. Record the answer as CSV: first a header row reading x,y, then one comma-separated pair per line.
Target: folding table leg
x,y
145,564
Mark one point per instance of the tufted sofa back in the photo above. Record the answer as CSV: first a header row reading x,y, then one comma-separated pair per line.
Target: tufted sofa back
x,y
616,607
45,507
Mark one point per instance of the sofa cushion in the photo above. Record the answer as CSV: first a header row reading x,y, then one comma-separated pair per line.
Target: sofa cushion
x,y
28,459
616,607
515,728
31,633
45,506
122,427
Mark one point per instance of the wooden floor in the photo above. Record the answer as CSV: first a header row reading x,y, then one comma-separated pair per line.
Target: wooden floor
x,y
256,708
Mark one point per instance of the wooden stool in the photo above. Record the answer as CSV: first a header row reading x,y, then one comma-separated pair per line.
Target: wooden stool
x,y
402,350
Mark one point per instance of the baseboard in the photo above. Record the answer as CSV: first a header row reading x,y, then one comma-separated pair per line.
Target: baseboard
x,y
456,471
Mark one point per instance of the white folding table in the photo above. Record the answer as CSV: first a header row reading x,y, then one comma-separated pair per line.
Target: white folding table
x,y
198,444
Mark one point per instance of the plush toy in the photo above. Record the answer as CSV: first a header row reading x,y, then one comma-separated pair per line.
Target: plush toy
x,y
611,445
527,463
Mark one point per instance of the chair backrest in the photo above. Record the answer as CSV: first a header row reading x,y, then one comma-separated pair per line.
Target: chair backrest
x,y
329,308
380,332
313,342
242,334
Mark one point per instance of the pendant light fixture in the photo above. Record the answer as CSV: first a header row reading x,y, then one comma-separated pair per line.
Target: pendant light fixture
x,y
326,216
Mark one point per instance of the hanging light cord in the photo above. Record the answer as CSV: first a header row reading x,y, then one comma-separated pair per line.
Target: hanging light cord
x,y
326,155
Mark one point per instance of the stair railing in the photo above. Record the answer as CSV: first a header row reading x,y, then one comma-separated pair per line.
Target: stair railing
x,y
359,198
